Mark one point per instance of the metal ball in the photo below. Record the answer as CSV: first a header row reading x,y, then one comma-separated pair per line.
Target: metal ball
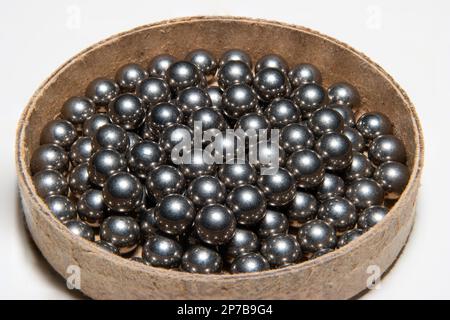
x,y
123,192
237,174
206,190
102,90
371,216
374,124
107,247
364,193
163,115
61,207
346,112
79,180
325,120
266,154
174,214
356,139
235,55
91,207
103,164
251,262
60,132
161,251
50,182
192,99
252,121
335,150
247,203
111,136
238,100
164,180
198,164
49,156
81,150
153,90
203,60
271,83
234,72
199,259
144,157
159,64
243,241
304,73
309,97
387,148
296,136
393,177
129,75
316,235
205,119
122,232
81,229
306,167
77,109
174,135
361,167
133,139
215,224
127,111
273,61
320,253
339,213
147,223
282,112
349,236
215,94
344,93
183,74
278,188
331,186
273,223
92,124
303,208
281,250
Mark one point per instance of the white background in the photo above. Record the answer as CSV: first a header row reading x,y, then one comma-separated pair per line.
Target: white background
x,y
410,39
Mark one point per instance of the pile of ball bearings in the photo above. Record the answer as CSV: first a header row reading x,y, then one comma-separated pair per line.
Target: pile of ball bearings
x,y
105,170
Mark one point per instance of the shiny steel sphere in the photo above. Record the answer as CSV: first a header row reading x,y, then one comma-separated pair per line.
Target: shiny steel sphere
x,y
107,246
374,124
183,74
174,214
192,99
206,190
61,207
361,167
344,93
77,109
161,251
164,180
129,75
203,60
205,119
296,136
315,235
278,188
215,94
371,216
345,111
144,157
387,148
133,139
304,73
101,91
215,224
234,72
50,182
356,139
60,132
306,167
251,262
282,112
364,193
199,259
303,208
159,64
198,164
103,164
79,180
266,155
235,55
309,97
49,156
273,223
271,83
393,177
237,174
174,135
122,232
91,207
252,121
348,236
272,61
81,150
325,120
335,150
320,253
331,186
127,111
163,115
123,192
92,124
339,213
281,250
147,223
111,136
243,241
247,203
153,90
238,100
81,229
